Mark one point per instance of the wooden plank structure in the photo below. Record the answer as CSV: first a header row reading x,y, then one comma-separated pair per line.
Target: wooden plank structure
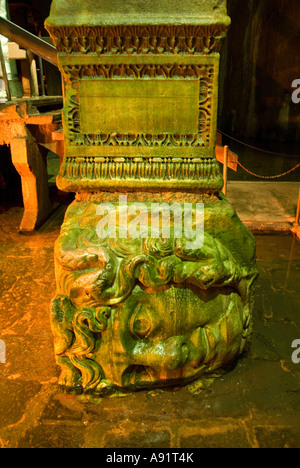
x,y
31,125
30,131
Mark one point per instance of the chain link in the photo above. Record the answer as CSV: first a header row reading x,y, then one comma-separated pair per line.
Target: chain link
x,y
256,148
268,177
263,151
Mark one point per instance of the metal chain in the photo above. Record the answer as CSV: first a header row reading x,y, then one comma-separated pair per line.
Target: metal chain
x,y
256,148
268,177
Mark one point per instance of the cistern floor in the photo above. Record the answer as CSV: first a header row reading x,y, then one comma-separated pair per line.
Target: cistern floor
x,y
255,405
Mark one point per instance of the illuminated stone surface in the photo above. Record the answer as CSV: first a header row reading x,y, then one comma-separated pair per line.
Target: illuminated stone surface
x,y
255,405
145,312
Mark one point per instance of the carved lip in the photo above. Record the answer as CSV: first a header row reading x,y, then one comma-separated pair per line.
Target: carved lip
x,y
138,376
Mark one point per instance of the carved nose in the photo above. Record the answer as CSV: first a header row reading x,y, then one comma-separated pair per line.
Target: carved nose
x,y
169,355
176,352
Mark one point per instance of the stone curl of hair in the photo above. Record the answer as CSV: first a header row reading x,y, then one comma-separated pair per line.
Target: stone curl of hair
x,y
105,272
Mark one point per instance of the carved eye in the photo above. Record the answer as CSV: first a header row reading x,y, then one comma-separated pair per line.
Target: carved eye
x,y
141,323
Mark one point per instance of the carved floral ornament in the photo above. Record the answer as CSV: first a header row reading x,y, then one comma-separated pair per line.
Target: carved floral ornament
x,y
138,39
205,73
203,167
103,54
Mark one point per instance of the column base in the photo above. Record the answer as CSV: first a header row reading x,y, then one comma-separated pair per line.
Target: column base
x,y
150,312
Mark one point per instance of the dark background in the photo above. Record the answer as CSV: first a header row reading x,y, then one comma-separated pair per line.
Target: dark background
x,y
260,60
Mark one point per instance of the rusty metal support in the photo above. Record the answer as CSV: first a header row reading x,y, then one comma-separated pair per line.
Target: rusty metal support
x,y
28,41
34,85
5,76
225,169
298,211
41,69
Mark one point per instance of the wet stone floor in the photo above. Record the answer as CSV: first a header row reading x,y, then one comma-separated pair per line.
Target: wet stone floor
x,y
256,405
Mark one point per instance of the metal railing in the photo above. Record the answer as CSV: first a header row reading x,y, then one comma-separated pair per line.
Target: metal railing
x,y
33,45
28,41
298,212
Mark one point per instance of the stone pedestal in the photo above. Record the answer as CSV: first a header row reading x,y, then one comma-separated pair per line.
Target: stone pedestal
x,y
154,269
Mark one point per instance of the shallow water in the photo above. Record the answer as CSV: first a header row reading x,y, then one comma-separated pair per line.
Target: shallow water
x,y
278,258
255,405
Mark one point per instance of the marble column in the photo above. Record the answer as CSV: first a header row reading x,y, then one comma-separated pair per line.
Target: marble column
x,y
154,268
